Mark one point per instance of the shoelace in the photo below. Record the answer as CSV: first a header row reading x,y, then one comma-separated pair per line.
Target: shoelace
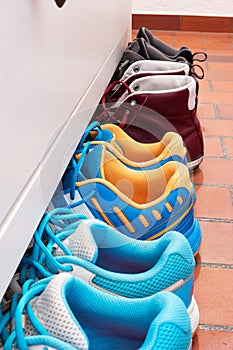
x,y
194,71
45,239
108,98
77,165
202,56
12,322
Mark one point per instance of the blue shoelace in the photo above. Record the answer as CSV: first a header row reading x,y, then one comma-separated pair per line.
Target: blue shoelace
x,y
12,322
33,266
83,149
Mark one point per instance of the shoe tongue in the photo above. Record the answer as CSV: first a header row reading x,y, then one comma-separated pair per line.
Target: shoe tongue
x,y
90,168
81,243
143,48
52,311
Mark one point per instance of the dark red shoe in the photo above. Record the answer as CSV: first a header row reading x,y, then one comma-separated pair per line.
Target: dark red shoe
x,y
153,105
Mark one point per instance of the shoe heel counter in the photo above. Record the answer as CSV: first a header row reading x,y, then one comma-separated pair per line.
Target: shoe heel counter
x,y
185,292
197,125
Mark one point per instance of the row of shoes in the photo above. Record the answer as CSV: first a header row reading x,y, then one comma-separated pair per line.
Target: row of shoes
x,y
111,264
154,90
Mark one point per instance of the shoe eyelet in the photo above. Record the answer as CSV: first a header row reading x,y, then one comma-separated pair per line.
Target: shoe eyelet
x,y
133,103
136,87
136,69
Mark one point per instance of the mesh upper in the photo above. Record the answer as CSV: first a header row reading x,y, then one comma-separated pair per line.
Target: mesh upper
x,y
90,167
171,337
52,313
80,243
174,270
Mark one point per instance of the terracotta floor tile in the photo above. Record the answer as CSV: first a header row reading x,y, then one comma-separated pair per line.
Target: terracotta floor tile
x,y
220,53
219,75
214,172
217,127
213,202
226,58
220,66
215,97
225,111
222,85
212,147
205,110
166,37
213,340
193,43
217,42
229,146
217,243
217,36
204,85
160,33
190,34
134,34
213,293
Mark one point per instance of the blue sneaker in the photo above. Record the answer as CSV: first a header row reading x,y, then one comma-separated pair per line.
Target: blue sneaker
x,y
111,261
134,154
66,313
143,204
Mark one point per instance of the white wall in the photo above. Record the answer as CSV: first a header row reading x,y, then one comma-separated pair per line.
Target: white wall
x,y
222,8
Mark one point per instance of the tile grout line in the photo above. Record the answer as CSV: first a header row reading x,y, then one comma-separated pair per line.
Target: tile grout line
x,y
213,185
222,119
216,114
214,136
210,85
223,146
215,265
210,327
218,157
228,221
231,192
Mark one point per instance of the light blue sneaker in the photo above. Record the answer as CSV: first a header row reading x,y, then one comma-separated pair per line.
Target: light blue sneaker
x,y
65,313
111,261
141,203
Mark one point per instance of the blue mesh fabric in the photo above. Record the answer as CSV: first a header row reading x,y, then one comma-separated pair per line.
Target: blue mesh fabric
x,y
174,270
91,166
171,337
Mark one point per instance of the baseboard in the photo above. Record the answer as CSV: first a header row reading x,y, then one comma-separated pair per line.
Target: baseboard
x,y
185,23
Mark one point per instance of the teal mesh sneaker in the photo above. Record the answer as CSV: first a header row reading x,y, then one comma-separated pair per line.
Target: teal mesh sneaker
x,y
139,202
111,261
65,313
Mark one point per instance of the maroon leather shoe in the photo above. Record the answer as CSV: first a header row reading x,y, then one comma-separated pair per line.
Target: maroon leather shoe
x,y
153,105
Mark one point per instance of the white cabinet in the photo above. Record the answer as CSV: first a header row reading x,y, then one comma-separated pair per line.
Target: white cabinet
x,y
54,66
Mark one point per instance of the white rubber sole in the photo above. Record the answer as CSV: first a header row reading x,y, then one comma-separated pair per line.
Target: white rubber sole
x,y
194,315
192,165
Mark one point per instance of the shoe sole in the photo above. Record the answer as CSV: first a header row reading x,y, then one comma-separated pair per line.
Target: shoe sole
x,y
194,164
194,315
